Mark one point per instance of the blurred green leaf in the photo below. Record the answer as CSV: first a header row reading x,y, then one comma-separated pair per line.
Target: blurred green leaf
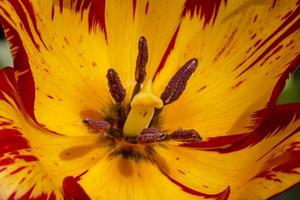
x,y
291,93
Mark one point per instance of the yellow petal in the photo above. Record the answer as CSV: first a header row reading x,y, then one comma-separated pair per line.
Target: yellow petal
x,y
66,52
128,20
121,178
69,45
258,165
58,39
231,40
34,161
249,48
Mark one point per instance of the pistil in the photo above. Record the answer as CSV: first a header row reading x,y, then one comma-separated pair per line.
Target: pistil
x,y
142,111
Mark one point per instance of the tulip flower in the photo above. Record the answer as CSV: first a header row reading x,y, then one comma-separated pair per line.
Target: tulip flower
x,y
166,99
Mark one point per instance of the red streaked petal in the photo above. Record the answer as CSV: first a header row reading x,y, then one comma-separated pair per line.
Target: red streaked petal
x,y
76,57
245,57
21,174
258,164
72,190
22,73
122,178
30,156
203,9
220,196
59,63
270,121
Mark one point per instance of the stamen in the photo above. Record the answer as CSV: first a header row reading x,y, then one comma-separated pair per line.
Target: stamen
x,y
150,135
178,82
141,62
140,69
185,135
121,115
116,88
97,125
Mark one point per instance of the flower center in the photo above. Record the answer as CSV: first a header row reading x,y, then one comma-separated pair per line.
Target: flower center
x,y
135,122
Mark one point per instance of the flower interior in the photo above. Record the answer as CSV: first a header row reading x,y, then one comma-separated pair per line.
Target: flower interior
x,y
106,99
134,127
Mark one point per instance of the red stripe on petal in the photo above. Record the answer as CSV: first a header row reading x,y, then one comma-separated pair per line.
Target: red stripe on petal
x,y
7,76
286,162
224,195
17,170
18,7
72,189
52,196
270,121
6,161
279,143
229,41
206,9
96,11
272,54
133,7
28,196
282,80
274,3
294,27
289,31
147,7
26,158
167,52
213,143
277,119
11,140
16,83
20,77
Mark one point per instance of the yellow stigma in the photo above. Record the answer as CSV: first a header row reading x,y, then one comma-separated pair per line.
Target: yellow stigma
x,y
143,105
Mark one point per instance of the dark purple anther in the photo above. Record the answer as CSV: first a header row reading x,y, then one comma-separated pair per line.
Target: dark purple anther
x,y
141,62
185,135
178,82
116,88
150,135
97,125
